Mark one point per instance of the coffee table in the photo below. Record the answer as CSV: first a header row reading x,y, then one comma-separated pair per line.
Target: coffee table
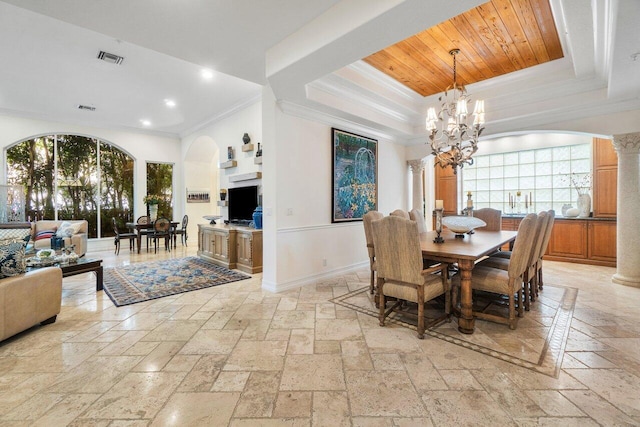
x,y
82,265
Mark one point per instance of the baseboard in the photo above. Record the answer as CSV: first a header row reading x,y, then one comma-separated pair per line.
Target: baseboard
x,y
285,286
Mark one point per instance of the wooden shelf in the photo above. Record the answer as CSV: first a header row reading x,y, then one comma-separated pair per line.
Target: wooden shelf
x,y
247,147
223,202
257,160
229,164
245,176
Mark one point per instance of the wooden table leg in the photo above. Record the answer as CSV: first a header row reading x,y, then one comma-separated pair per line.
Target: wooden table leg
x,y
99,285
139,238
466,322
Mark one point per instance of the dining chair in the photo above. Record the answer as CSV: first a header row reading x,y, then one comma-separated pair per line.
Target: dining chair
x,y
144,219
367,219
529,281
507,282
122,236
181,231
400,213
161,230
545,243
400,272
417,216
493,218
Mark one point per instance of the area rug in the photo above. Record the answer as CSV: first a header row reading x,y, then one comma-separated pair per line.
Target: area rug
x,y
156,279
537,344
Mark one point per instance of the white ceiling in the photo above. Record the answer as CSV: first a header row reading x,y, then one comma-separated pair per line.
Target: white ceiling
x,y
306,50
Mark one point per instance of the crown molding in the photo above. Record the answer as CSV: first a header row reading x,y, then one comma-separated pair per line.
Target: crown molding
x,y
308,113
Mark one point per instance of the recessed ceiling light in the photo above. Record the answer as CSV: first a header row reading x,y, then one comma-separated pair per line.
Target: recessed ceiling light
x,y
206,74
170,103
145,122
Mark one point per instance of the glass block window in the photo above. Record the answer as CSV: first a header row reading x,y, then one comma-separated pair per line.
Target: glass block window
x,y
540,178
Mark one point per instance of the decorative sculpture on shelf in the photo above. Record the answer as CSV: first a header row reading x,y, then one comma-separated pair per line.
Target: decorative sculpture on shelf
x,y
246,138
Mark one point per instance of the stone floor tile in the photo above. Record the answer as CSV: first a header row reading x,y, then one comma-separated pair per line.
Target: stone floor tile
x,y
124,399
197,409
259,397
614,385
293,404
312,372
331,408
159,357
459,379
338,329
212,341
301,341
553,403
257,356
230,381
470,408
383,393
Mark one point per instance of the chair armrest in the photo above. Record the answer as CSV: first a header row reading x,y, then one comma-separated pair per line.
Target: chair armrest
x,y
434,269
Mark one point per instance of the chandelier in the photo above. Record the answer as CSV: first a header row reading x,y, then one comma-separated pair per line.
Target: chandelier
x,y
453,138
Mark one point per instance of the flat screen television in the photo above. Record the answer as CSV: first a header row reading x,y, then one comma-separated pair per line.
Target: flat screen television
x,y
242,202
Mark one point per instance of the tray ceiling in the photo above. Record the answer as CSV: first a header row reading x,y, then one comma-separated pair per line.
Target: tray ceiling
x,y
494,39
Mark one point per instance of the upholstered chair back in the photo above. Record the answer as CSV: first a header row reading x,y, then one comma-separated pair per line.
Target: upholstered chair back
x,y
417,216
523,246
367,219
400,213
493,218
398,253
541,228
547,233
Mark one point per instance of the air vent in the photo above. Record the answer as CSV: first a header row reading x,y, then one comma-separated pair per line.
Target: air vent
x,y
86,107
110,57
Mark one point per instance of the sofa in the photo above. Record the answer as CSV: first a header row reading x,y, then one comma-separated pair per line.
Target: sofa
x,y
73,233
28,299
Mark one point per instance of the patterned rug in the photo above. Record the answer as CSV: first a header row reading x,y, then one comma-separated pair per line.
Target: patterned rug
x,y
537,344
150,280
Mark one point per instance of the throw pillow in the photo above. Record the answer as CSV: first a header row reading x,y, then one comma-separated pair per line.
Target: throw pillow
x,y
45,234
68,229
12,260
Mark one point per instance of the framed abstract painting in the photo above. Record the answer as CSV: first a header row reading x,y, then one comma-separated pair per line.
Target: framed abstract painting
x,y
355,176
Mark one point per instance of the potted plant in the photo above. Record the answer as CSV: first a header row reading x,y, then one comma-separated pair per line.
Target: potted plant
x,y
223,194
152,201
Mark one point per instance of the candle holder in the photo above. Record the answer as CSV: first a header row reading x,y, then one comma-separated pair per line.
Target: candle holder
x,y
438,213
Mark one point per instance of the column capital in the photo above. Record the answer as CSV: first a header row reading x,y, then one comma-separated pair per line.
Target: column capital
x,y
628,143
416,165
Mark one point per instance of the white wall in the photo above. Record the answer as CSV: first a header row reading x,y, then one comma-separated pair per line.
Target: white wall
x,y
142,147
204,149
298,209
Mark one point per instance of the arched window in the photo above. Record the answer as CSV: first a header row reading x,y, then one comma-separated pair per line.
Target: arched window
x,y
73,177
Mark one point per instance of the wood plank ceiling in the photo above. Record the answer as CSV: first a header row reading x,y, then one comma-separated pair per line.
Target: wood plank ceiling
x,y
495,38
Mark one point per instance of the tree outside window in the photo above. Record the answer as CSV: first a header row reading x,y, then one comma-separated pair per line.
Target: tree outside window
x,y
73,177
160,182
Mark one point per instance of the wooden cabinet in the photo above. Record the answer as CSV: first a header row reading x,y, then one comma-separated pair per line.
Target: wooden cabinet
x,y
568,239
249,250
605,179
447,189
585,241
231,246
602,241
217,244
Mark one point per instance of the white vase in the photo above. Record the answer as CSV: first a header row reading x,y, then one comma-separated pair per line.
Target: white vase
x,y
584,205
153,212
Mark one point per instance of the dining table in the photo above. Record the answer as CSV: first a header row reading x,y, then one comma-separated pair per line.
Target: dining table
x,y
465,252
138,227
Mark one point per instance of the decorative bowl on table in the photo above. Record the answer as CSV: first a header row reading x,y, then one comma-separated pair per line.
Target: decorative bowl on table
x,y
212,218
462,224
45,254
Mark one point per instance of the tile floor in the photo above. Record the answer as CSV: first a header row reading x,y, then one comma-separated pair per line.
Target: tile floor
x,y
236,355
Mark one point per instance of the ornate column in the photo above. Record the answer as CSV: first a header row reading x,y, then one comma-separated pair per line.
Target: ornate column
x,y
628,228
418,194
